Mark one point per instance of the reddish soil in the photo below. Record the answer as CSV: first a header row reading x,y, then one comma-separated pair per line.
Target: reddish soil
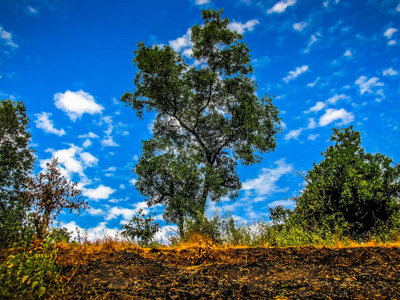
x,y
243,273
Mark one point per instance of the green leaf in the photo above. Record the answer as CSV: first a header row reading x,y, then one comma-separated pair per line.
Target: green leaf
x,y
25,278
42,290
35,283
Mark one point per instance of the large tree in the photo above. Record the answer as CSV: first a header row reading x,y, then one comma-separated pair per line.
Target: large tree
x,y
208,117
16,163
350,190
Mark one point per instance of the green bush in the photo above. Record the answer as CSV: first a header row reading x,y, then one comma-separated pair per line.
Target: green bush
x,y
141,229
30,275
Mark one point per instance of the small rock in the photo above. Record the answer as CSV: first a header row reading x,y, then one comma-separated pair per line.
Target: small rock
x,y
118,283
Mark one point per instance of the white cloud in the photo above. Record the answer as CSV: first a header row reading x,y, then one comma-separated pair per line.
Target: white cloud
x,y
132,181
87,143
348,53
281,6
389,72
182,43
241,28
398,8
312,84
367,85
293,134
284,203
94,233
125,132
108,139
100,193
300,26
72,161
89,135
110,169
317,107
313,39
88,159
6,36
392,42
332,115
75,104
43,122
312,137
202,2
109,142
115,212
336,98
32,10
295,73
311,123
389,32
265,183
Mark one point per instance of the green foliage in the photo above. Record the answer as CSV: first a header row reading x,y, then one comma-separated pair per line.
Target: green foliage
x,y
207,119
210,228
57,235
16,163
48,194
30,275
140,228
349,190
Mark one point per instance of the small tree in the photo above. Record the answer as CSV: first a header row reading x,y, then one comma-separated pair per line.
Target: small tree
x,y
16,163
140,227
349,190
49,193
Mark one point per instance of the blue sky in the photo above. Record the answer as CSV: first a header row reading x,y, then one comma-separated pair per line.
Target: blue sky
x,y
329,63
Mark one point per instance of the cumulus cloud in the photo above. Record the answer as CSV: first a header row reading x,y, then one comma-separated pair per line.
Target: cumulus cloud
x,y
182,44
389,72
300,26
284,203
348,53
115,212
241,28
43,122
296,73
312,137
389,32
311,123
75,104
293,134
398,8
72,160
332,115
202,2
7,38
265,183
317,107
132,181
100,193
366,84
89,135
281,6
94,233
336,98
87,143
312,84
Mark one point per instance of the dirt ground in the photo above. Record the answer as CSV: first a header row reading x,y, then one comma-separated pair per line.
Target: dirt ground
x,y
242,273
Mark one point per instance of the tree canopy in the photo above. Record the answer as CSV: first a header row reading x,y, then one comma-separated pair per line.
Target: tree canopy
x,y
16,163
350,190
208,117
49,192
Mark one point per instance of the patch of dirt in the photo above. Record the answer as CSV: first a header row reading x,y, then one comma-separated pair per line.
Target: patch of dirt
x,y
244,273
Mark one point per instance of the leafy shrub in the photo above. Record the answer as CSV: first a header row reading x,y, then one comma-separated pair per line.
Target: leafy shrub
x,y
210,228
30,275
140,228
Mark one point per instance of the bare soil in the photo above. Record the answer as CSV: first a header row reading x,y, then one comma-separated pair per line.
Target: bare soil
x,y
236,273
